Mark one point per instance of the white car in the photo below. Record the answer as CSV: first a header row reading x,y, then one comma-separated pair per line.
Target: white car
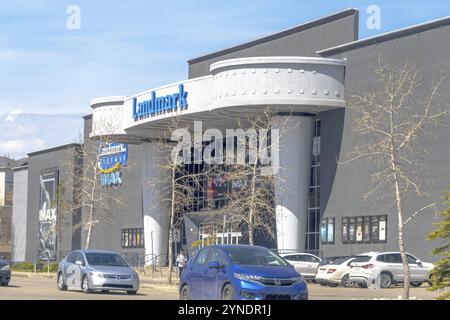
x,y
305,263
386,269
335,273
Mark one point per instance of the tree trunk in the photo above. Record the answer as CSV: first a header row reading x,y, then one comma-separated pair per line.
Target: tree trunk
x,y
250,233
251,214
87,244
91,210
170,253
398,201
171,222
401,242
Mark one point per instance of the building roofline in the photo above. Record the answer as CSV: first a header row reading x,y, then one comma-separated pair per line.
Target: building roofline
x,y
88,116
277,35
391,35
64,146
22,167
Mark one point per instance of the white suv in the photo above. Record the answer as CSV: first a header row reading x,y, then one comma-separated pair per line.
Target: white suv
x,y
386,268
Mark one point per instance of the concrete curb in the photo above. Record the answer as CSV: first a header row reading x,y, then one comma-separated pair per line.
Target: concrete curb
x,y
145,283
38,275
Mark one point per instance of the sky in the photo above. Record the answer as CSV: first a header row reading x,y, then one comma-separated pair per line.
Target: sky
x,y
51,66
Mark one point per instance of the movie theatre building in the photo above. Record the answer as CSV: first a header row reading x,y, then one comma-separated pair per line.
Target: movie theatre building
x,y
303,76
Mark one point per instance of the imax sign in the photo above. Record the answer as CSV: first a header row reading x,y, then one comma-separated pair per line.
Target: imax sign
x,y
158,105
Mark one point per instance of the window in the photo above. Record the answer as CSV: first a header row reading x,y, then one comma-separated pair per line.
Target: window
x,y
393,258
344,230
382,229
364,229
374,233
254,256
202,255
71,258
292,257
359,229
351,230
80,257
307,258
105,259
132,238
304,258
216,255
327,231
361,259
411,259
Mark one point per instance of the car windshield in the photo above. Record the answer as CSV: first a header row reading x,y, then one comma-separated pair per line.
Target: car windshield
x,y
362,258
254,256
340,260
328,260
105,259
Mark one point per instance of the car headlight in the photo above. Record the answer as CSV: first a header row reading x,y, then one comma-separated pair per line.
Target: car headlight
x,y
248,277
5,268
298,279
96,274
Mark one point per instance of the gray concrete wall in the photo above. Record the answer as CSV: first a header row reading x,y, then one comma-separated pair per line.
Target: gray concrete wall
x,y
342,186
59,159
19,219
303,40
108,235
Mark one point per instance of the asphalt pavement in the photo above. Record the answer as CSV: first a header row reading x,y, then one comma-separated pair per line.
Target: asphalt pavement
x,y
23,288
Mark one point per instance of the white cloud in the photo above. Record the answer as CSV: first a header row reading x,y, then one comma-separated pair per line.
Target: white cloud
x,y
23,133
13,114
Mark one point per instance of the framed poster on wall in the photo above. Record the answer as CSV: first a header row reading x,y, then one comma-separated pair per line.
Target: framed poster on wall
x,y
47,215
382,229
330,231
359,229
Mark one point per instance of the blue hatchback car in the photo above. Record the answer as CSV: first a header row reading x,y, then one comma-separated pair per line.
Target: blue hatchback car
x,y
240,272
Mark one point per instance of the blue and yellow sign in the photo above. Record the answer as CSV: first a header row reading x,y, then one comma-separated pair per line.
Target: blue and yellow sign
x,y
112,157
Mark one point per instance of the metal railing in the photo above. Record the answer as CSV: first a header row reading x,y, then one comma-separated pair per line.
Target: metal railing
x,y
146,262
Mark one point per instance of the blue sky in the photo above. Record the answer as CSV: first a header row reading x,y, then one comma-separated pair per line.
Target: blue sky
x,y
49,73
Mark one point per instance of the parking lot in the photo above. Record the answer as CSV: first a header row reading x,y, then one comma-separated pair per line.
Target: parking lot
x,y
45,289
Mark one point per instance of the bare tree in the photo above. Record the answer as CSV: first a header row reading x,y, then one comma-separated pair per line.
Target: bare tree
x,y
396,122
251,197
95,201
177,184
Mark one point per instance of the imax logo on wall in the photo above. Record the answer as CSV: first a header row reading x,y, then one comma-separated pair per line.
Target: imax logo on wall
x,y
158,105
112,158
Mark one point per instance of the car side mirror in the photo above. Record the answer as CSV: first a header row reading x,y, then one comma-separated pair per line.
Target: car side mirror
x,y
80,263
214,265
418,261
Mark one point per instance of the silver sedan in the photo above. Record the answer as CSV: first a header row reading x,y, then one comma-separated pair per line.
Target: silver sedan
x,y
305,263
90,270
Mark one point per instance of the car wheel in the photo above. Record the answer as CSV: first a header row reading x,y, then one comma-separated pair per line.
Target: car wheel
x,y
184,293
4,284
346,282
228,292
429,281
61,285
85,285
131,292
416,284
323,283
362,285
333,285
385,280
